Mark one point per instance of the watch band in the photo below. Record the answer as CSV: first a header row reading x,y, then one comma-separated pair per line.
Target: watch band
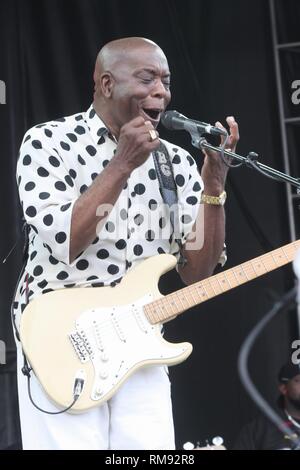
x,y
214,200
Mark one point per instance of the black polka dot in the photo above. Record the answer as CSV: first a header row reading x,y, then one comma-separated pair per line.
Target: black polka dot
x,y
192,200
160,250
45,291
79,117
196,187
60,237
34,228
65,207
97,284
83,188
190,160
123,214
37,271
29,186
121,244
92,278
186,219
93,176
152,174
48,248
180,180
48,220
81,160
101,140
150,235
33,255
72,173
82,264
92,113
69,180
91,150
69,285
110,226
162,222
129,203
152,204
62,119
27,138
113,269
128,264
138,250
48,133
138,219
95,241
105,163
44,196
72,137
79,130
60,186
27,160
30,211
42,172
19,180
53,260
139,189
65,146
62,275
102,254
54,161
36,144
42,284
176,159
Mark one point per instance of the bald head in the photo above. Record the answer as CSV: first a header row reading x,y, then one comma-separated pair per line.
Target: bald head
x,y
131,75
118,51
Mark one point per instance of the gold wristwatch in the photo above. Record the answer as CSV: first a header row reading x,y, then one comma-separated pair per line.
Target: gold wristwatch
x,y
214,200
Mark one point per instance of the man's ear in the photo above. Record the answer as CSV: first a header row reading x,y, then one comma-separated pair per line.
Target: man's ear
x,y
106,84
282,389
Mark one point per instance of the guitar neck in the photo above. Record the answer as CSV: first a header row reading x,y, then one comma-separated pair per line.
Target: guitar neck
x,y
168,307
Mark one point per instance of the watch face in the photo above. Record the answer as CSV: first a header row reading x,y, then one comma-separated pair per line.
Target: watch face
x,y
222,198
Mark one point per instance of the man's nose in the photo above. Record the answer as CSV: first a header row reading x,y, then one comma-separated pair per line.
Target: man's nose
x,y
159,89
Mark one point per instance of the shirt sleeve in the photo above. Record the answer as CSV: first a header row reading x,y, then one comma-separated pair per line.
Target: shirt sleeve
x,y
47,192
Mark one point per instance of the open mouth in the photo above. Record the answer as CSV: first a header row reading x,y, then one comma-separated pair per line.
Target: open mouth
x,y
152,113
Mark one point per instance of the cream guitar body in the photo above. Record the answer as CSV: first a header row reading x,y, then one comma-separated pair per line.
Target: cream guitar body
x,y
99,336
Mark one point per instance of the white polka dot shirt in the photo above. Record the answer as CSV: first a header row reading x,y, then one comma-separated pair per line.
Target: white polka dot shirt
x,y
58,161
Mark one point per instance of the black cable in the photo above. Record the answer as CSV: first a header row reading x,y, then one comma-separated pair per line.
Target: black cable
x,y
78,386
244,373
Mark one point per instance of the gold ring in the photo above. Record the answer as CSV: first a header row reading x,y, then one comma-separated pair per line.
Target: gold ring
x,y
153,135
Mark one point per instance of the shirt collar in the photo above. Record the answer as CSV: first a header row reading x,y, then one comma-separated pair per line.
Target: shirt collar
x,y
97,128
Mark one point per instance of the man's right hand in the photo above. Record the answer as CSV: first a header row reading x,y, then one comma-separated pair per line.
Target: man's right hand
x,y
135,144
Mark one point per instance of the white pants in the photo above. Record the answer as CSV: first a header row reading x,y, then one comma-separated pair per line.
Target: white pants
x,y
138,416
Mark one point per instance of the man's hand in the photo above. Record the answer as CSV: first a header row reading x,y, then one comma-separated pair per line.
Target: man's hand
x,y
135,144
214,171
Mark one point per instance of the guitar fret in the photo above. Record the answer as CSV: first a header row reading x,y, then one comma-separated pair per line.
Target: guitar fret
x,y
177,302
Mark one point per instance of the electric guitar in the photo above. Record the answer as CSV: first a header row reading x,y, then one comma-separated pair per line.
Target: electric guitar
x,y
96,337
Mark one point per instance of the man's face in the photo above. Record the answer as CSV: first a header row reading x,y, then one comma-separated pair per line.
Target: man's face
x,y
291,391
141,86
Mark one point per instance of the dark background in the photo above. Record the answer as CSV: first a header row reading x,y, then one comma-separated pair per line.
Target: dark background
x,y
221,58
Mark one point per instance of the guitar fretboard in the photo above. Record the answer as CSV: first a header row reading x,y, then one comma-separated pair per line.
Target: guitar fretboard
x,y
171,305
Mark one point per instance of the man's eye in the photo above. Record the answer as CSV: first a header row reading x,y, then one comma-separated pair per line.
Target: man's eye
x,y
147,80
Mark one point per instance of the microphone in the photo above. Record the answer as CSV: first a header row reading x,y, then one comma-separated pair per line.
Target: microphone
x,y
173,121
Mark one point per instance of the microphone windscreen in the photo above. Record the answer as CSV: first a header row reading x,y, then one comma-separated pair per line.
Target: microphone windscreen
x,y
166,119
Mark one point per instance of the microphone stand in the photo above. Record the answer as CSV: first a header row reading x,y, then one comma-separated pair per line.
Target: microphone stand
x,y
251,161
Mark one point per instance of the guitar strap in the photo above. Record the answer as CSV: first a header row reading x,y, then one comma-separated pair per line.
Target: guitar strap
x,y
168,190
